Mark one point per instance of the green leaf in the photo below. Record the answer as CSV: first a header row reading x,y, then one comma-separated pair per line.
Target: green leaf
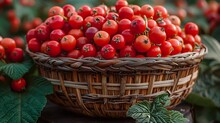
x,y
17,70
155,112
199,100
177,117
24,107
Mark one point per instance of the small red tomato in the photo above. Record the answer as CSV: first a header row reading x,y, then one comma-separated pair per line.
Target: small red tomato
x,y
124,24
81,41
136,9
18,85
2,52
166,48
76,33
56,22
108,52
42,33
34,45
147,11
66,27
118,41
198,40
74,54
43,47
90,32
88,50
189,39
98,21
68,8
8,44
112,16
187,48
160,12
177,46
191,28
120,3
57,34
111,27
30,34
175,20
138,26
101,38
87,22
129,36
170,30
126,12
68,43
157,35
127,51
76,21
84,11
53,48
17,55
154,51
151,23
98,11
55,10
142,44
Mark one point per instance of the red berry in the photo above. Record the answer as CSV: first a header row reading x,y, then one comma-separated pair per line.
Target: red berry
x,y
17,55
108,51
53,48
18,85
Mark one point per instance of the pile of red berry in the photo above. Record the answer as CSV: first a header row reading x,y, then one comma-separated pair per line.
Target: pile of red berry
x,y
118,31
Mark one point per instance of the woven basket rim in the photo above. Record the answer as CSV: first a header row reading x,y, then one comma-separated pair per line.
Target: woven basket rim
x,y
202,52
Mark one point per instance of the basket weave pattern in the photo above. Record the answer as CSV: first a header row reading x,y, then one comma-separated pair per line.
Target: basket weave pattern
x,y
107,88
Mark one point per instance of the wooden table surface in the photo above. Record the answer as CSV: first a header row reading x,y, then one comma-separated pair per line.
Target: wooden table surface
x,y
56,114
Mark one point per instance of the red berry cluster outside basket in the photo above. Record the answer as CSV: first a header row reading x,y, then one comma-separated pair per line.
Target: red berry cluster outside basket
x,y
112,32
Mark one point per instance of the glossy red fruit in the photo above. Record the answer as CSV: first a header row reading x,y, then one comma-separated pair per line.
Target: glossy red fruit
x,y
68,43
55,10
18,85
76,21
42,33
53,48
98,11
189,39
98,21
68,8
2,52
57,34
74,54
129,36
170,30
157,35
177,46
82,41
160,12
36,22
19,42
187,48
154,51
76,33
8,44
56,22
138,26
191,28
118,41
101,38
120,3
136,9
198,40
88,50
147,11
142,44
108,52
17,55
151,23
34,45
111,27
128,51
66,27
43,47
124,24
112,16
90,32
84,11
166,48
126,12
175,20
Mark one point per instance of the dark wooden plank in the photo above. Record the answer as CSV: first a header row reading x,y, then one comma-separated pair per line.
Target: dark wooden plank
x,y
56,114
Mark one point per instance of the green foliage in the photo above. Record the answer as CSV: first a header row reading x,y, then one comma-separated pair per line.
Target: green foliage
x,y
16,70
155,112
24,107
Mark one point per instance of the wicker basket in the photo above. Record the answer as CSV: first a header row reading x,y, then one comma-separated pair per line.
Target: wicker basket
x,y
107,88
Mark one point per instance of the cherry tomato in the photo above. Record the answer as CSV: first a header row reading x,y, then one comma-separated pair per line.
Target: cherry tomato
x,y
76,21
101,38
2,52
170,30
138,26
68,8
56,22
98,11
84,11
160,12
187,48
98,21
166,48
74,54
142,43
34,45
189,39
118,41
55,10
129,36
124,24
57,34
111,27
175,20
177,46
53,48
88,50
191,28
76,33
126,12
8,44
112,16
157,35
136,9
42,33
127,51
66,27
19,42
68,43
87,22
82,41
90,32
120,3
17,55
43,47
151,23
198,40
18,85
108,51
147,11
154,51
